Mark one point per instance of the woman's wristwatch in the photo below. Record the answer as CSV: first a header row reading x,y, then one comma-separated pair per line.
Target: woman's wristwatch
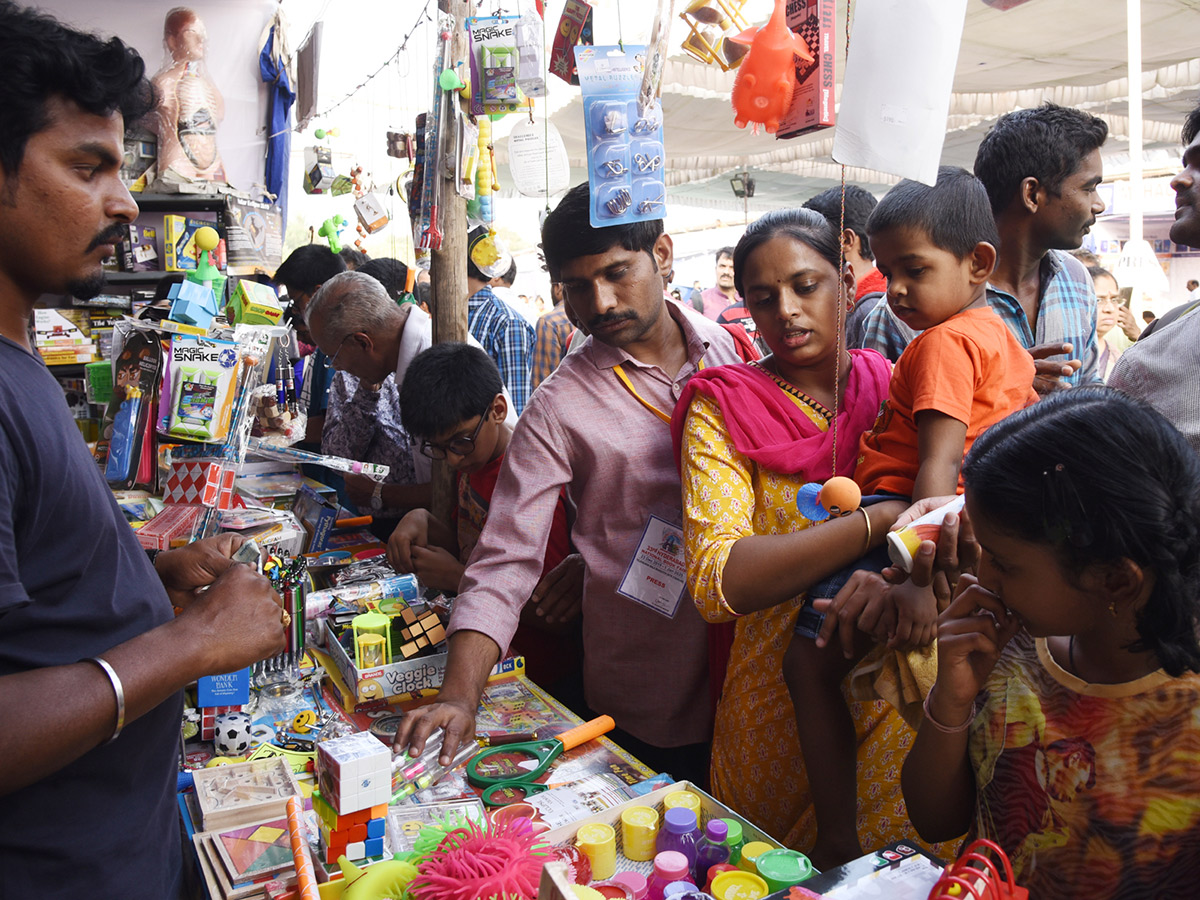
x,y
377,497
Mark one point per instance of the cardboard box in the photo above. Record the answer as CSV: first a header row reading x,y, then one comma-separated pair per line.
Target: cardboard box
x,y
139,251
813,103
554,885
231,689
179,243
170,528
255,304
317,515
393,683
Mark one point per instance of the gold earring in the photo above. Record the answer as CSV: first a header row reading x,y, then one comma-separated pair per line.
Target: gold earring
x,y
1112,608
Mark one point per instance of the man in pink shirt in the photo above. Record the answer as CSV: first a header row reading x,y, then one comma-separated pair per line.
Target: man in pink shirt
x,y
717,299
599,426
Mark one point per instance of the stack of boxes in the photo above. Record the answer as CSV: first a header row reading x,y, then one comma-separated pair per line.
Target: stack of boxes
x,y
351,806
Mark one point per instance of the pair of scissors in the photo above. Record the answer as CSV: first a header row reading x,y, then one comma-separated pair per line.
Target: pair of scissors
x,y
509,773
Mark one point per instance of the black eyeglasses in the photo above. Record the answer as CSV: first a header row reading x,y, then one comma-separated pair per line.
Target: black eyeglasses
x,y
459,446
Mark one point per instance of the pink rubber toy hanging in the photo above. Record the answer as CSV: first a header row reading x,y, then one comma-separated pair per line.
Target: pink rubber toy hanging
x,y
762,90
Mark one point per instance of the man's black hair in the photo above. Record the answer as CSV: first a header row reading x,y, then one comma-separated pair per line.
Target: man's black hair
x,y
1191,126
391,273
352,257
445,386
511,275
954,214
724,252
309,266
568,234
41,58
1048,143
860,203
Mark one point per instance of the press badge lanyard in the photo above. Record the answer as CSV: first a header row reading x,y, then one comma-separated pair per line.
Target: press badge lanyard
x,y
624,379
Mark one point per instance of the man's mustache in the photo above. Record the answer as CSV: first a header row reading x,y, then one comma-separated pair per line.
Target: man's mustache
x,y
112,235
610,318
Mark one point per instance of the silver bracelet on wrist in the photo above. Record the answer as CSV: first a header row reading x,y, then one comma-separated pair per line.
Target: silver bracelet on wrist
x,y
118,690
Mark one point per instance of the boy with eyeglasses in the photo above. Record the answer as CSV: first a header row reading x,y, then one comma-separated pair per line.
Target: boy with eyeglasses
x,y
452,403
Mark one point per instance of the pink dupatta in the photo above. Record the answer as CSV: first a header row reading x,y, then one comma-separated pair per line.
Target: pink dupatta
x,y
768,428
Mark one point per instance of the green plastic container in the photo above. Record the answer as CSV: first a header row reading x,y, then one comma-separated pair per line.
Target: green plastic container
x,y
783,868
734,840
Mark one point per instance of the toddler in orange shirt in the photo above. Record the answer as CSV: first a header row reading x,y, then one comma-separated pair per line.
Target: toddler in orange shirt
x,y
963,373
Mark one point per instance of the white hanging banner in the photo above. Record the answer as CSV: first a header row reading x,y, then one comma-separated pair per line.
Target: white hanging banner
x,y
537,159
896,91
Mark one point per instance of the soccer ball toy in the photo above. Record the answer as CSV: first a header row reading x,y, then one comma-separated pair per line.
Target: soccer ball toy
x,y
232,734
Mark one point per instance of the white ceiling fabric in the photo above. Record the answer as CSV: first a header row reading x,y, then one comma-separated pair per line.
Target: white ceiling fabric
x,y
1070,52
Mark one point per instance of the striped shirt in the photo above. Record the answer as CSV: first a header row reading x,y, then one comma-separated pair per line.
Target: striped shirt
x,y
552,331
507,338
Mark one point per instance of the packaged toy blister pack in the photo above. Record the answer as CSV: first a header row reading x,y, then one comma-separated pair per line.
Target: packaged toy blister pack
x,y
202,382
494,64
624,150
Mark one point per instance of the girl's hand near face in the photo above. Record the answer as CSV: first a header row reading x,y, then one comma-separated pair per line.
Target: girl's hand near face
x,y
971,633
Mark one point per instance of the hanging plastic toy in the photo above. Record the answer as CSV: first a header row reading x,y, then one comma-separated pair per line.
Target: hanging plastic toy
x,y
762,91
839,496
331,230
485,171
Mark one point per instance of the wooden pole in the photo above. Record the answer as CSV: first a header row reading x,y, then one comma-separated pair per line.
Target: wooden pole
x,y
448,269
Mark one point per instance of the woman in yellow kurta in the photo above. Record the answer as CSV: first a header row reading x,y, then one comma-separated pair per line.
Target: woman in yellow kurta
x,y
750,437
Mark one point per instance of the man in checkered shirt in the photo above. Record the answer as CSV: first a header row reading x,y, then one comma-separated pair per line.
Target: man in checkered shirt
x,y
502,331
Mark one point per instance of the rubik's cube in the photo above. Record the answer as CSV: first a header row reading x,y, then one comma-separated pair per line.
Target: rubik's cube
x,y
419,631
356,835
208,719
356,772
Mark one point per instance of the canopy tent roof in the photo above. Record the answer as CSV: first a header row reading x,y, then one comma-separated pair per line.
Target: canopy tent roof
x,y
1070,52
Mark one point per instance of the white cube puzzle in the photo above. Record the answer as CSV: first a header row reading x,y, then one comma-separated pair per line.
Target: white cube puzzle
x,y
356,772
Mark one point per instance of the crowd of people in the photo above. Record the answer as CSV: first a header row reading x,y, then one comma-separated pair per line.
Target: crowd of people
x,y
627,516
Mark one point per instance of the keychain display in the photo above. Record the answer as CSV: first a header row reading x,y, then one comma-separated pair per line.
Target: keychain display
x,y
624,150
656,57
437,121
202,387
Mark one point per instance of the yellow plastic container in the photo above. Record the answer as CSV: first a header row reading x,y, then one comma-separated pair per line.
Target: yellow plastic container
x,y
739,886
750,854
639,833
599,843
686,799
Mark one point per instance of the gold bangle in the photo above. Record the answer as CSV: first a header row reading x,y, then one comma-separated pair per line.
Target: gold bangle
x,y
867,519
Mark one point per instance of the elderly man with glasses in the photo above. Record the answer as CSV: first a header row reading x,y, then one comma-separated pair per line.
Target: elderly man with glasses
x,y
371,340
